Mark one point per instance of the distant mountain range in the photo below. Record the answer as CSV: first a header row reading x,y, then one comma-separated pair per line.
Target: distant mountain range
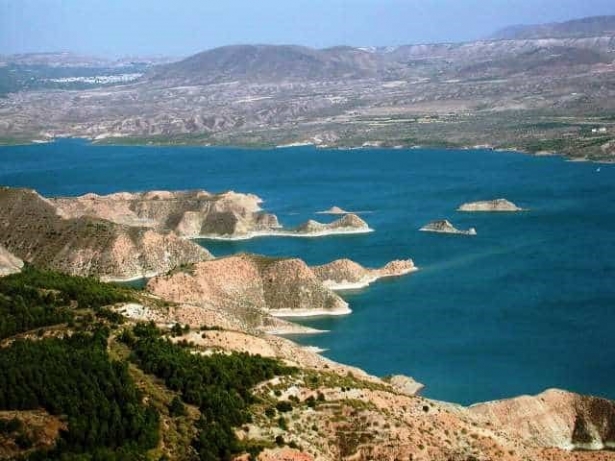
x,y
583,41
586,27
517,89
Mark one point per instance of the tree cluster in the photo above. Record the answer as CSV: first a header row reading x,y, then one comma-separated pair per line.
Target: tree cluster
x,y
74,378
35,298
220,385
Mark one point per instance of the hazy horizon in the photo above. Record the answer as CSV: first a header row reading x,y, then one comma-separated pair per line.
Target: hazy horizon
x,y
156,28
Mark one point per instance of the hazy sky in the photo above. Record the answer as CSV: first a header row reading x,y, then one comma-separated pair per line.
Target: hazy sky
x,y
181,27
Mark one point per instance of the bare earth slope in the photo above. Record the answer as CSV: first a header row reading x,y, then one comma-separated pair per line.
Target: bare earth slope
x,y
248,282
555,418
9,263
188,213
354,416
35,230
278,286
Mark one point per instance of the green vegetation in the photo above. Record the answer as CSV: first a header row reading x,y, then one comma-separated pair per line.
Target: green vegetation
x,y
220,385
35,298
549,145
112,409
74,377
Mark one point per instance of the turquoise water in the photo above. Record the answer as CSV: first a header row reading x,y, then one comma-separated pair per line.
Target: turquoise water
x,y
526,305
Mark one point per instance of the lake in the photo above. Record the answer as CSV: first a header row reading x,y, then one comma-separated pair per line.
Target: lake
x,y
527,304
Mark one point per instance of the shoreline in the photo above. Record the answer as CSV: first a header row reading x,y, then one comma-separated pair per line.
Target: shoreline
x,y
290,234
307,313
363,283
153,143
148,275
296,330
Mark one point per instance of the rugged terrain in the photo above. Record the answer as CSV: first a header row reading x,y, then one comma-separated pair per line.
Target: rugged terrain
x,y
206,378
197,213
187,213
315,410
542,93
126,236
34,229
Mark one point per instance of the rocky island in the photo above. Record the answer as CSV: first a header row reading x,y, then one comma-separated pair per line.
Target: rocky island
x,y
445,227
499,204
335,210
348,224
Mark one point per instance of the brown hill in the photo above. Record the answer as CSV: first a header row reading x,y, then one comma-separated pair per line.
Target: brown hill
x,y
36,230
187,213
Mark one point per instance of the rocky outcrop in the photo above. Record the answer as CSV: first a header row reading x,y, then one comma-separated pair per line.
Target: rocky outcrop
x,y
405,384
554,418
335,210
347,224
499,204
9,263
445,227
36,230
187,213
251,285
344,274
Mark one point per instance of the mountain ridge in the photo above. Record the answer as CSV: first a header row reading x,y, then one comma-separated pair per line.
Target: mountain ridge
x,y
592,26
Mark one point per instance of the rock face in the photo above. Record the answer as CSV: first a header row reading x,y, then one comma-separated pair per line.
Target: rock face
x,y
499,204
555,418
445,227
349,223
36,230
188,213
344,274
9,263
250,283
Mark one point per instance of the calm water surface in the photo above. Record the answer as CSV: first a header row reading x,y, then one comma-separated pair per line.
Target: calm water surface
x,y
526,305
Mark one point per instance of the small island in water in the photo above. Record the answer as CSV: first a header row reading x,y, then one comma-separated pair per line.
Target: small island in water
x,y
444,226
499,204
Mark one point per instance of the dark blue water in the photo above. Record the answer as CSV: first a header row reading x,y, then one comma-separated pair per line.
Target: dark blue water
x,y
527,304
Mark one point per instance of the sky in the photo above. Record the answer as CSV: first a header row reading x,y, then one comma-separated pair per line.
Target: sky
x,y
114,28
